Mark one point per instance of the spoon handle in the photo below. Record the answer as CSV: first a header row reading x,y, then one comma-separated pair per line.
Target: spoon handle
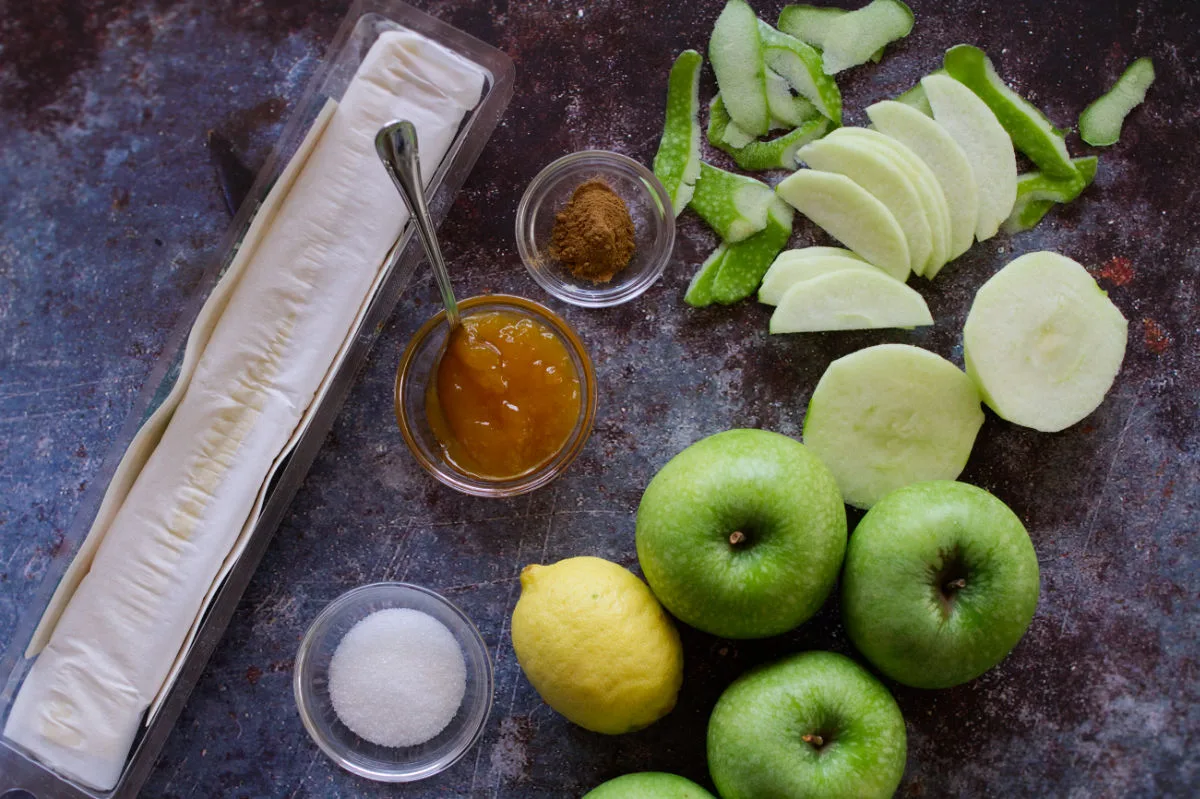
x,y
396,144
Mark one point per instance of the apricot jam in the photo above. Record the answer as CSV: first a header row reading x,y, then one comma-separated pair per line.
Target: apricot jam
x,y
506,396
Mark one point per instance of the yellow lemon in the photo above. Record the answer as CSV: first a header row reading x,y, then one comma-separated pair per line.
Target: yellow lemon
x,y
596,645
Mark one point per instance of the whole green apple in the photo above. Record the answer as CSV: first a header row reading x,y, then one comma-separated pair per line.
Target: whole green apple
x,y
940,583
811,726
648,785
742,534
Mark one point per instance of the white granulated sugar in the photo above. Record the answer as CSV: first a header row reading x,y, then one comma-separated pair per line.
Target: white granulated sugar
x,y
397,678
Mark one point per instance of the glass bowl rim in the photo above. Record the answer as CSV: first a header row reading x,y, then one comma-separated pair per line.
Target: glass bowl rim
x,y
303,691
530,481
619,292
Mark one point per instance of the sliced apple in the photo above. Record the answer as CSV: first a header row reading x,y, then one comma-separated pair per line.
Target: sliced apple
x,y
849,299
850,214
989,149
946,160
878,174
890,415
1043,342
929,193
787,272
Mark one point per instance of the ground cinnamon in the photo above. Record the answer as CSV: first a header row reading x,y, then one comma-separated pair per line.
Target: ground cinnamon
x,y
593,234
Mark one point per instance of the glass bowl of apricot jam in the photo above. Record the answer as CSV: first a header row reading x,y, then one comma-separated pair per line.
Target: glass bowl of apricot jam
x,y
501,405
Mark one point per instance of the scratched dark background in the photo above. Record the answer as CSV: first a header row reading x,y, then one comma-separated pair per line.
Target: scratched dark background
x,y
110,213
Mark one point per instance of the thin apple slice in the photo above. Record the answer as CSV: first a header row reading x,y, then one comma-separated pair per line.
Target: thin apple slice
x,y
850,214
849,299
735,52
987,145
878,174
886,416
946,160
787,272
1043,342
1031,132
929,193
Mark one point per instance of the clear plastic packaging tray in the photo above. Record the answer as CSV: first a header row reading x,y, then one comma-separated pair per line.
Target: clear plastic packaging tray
x,y
21,775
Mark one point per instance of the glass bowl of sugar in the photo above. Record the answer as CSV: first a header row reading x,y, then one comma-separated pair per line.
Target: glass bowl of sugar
x,y
393,682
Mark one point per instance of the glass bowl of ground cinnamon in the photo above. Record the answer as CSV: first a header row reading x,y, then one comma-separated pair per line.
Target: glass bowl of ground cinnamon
x,y
595,228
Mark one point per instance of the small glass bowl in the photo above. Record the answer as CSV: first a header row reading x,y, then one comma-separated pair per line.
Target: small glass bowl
x,y
382,763
417,368
649,207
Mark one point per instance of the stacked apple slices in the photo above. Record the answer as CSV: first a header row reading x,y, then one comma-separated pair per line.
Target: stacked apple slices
x,y
827,288
908,196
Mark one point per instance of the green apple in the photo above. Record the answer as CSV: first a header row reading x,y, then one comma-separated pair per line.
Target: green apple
x,y
742,534
811,726
648,785
940,583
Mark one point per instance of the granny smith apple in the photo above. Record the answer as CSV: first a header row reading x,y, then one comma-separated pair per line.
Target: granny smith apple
x,y
940,583
742,534
648,785
811,726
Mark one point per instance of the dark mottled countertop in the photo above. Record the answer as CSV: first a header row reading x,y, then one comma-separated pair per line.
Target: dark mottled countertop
x,y
110,214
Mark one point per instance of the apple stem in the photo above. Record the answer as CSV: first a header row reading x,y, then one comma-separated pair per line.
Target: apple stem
x,y
736,537
815,740
956,585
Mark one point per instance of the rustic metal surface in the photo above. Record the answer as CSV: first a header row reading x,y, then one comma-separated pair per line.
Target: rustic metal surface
x,y
110,211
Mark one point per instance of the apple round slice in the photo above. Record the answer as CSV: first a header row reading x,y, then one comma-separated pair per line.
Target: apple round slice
x,y
929,192
742,534
1043,342
849,299
814,725
989,149
787,272
852,215
889,415
883,179
940,583
945,159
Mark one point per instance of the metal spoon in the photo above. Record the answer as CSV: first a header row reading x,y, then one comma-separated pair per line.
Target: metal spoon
x,y
396,144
